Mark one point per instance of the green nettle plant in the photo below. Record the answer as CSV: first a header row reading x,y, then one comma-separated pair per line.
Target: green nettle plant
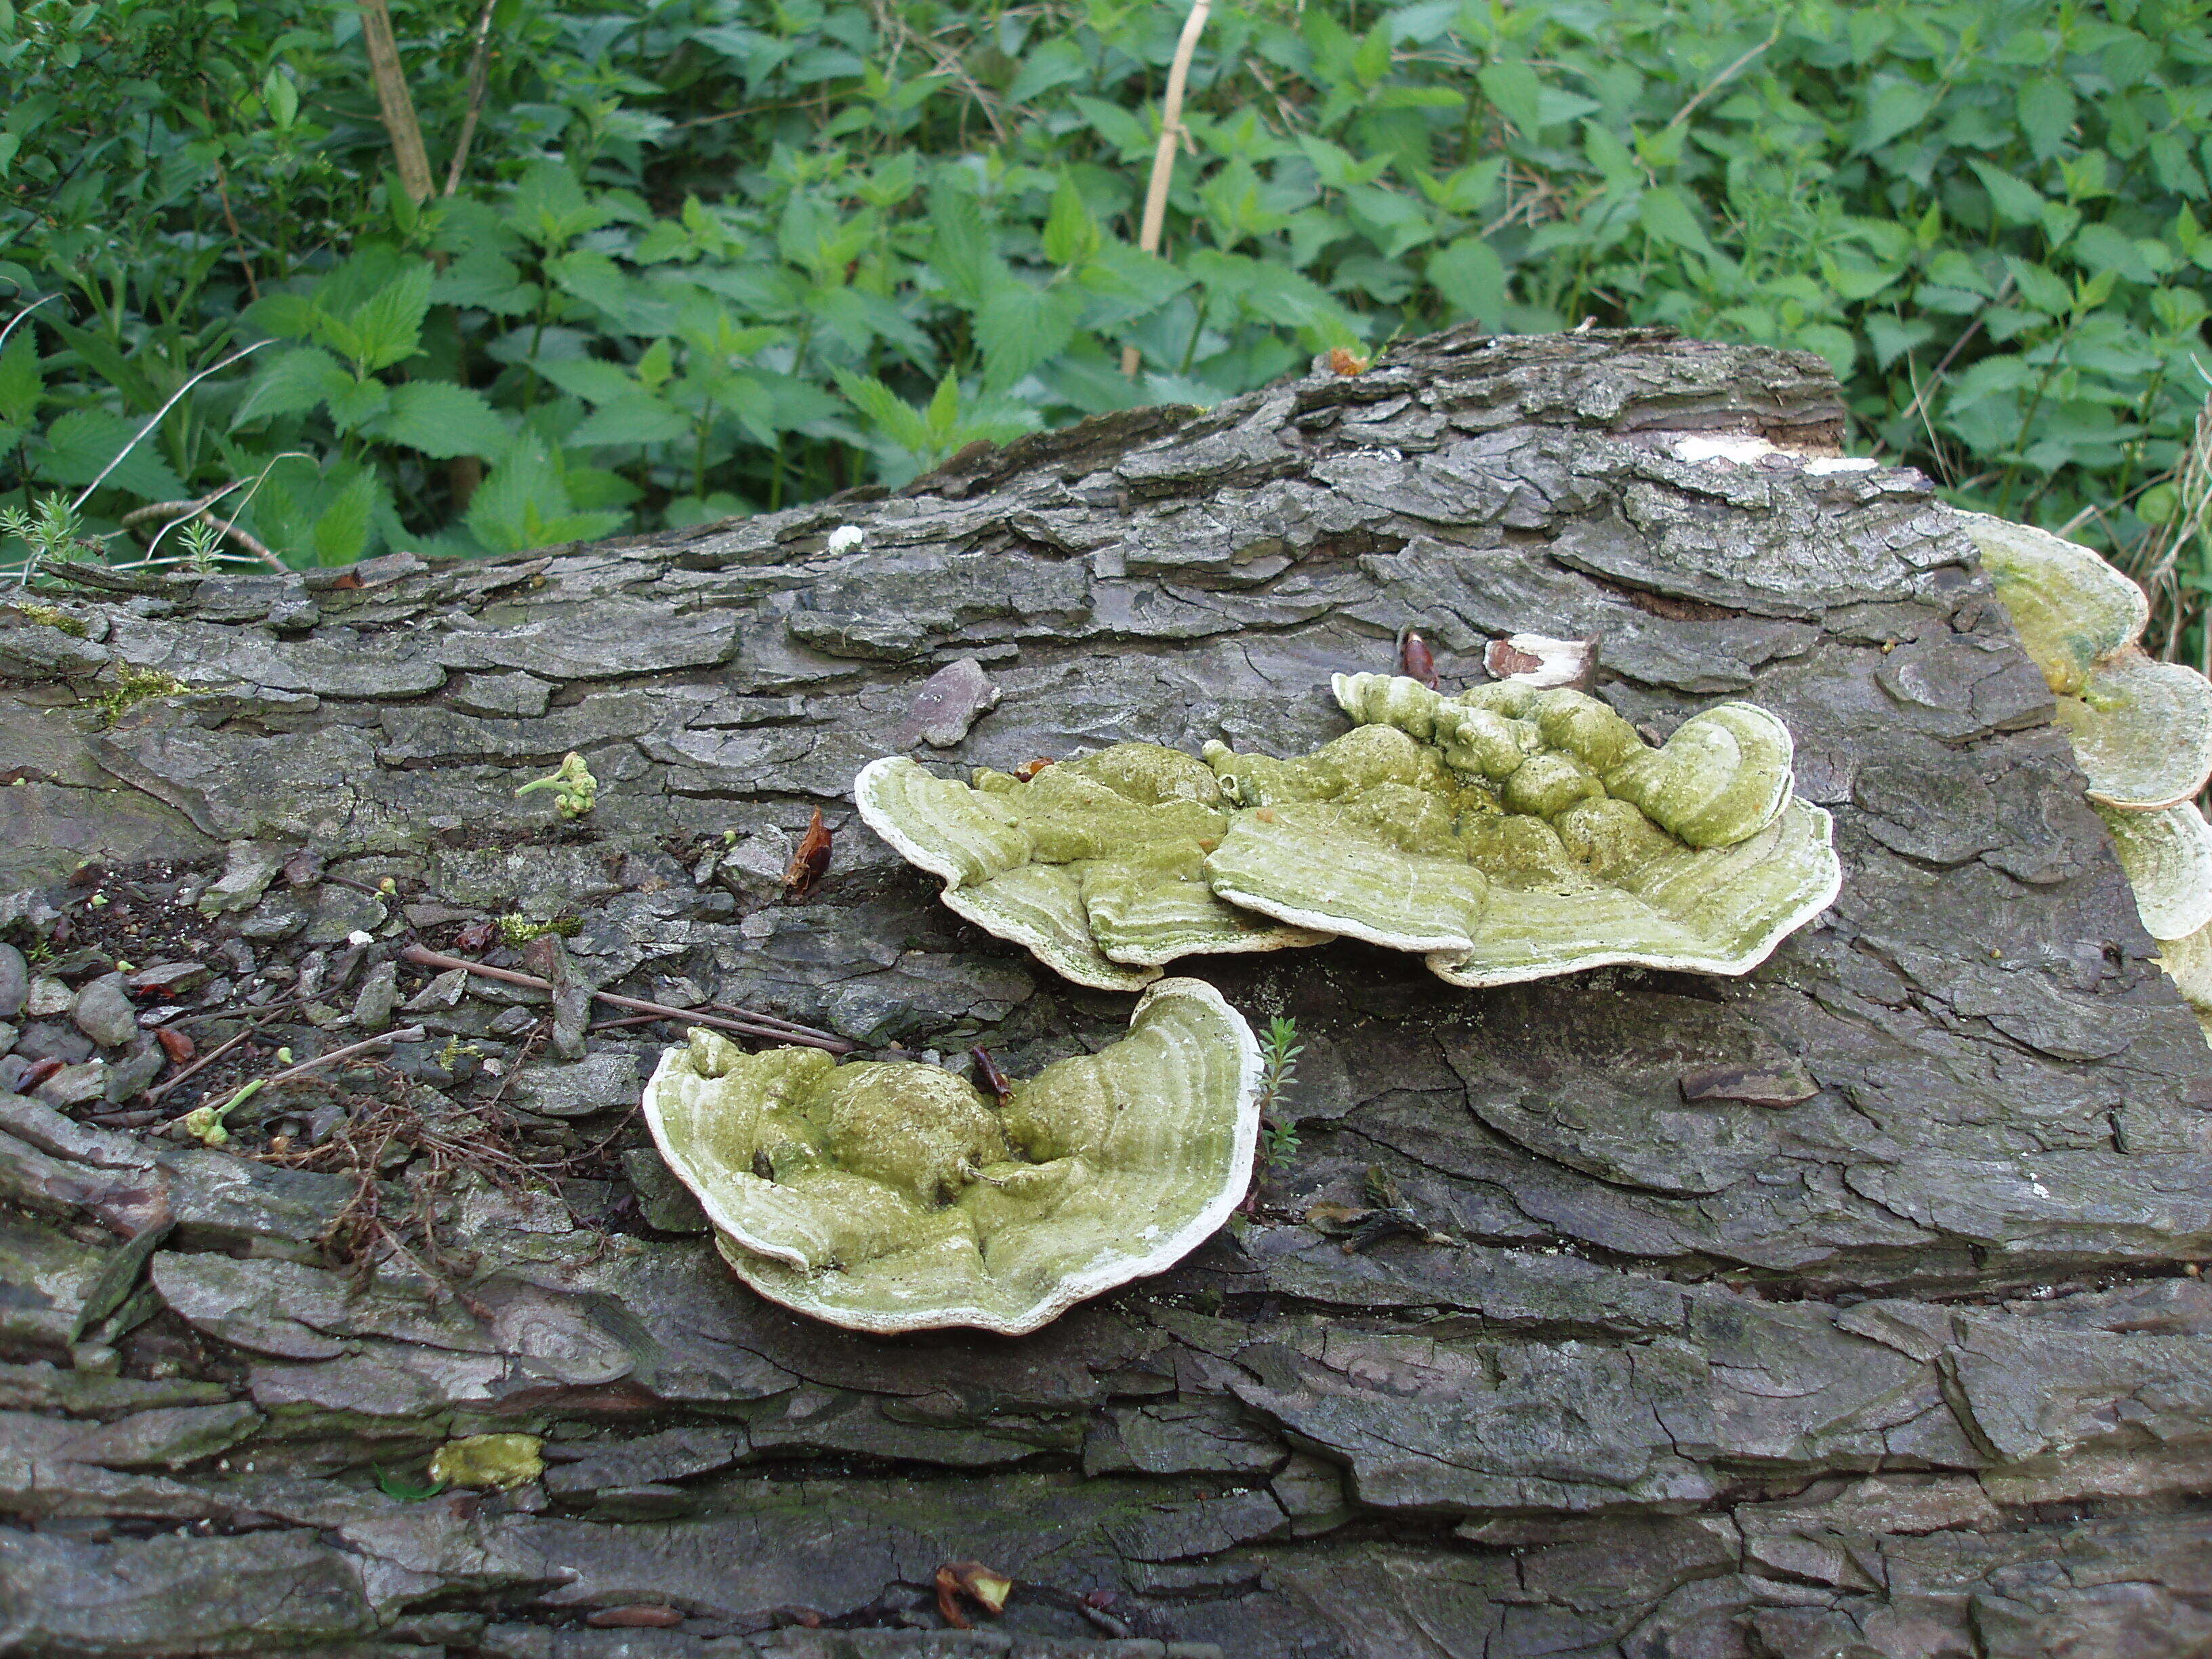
x,y
704,256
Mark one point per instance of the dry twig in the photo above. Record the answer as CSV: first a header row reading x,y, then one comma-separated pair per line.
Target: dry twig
x,y
752,1024
479,76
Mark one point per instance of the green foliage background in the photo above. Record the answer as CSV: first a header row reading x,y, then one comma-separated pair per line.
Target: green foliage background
x,y
712,256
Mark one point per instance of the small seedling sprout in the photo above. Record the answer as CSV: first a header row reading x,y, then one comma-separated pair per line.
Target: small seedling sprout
x,y
1279,1054
576,791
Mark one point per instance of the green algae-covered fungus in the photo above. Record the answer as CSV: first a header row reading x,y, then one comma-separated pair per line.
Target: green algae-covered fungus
x,y
1095,864
2142,729
1511,833
897,1197
496,1461
1508,832
2168,856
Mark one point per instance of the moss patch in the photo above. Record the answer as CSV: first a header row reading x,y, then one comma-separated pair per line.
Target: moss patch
x,y
133,686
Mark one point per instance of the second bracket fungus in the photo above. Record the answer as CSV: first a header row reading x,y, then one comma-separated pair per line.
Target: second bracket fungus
x,y
897,1197
1509,833
2142,729
1094,864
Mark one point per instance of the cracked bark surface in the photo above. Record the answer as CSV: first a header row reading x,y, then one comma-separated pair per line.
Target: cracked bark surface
x,y
1910,1367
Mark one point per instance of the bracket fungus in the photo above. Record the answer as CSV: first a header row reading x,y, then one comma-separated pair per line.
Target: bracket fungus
x,y
2140,729
1509,833
1095,864
895,1196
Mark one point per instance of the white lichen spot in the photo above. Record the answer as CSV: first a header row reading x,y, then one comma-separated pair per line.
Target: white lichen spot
x,y
1828,463
846,538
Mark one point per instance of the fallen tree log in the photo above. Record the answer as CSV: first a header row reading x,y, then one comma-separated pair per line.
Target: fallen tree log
x,y
1847,1307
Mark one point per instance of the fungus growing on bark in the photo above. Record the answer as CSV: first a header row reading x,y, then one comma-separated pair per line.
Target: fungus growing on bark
x,y
897,1197
2142,729
1509,833
1506,833
1095,864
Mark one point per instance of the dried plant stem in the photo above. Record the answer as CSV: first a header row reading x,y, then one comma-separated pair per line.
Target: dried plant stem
x,y
394,100
765,1026
1171,135
153,1096
175,512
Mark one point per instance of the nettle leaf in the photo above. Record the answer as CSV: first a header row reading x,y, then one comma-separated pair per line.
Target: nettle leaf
x,y
2042,289
1053,63
283,316
1125,283
1335,166
1019,326
442,420
2101,248
292,383
1892,336
1117,127
485,281
886,410
341,530
386,328
960,244
79,446
637,419
1472,278
550,208
358,404
21,383
1667,218
1393,222
592,379
525,503
2046,114
2017,201
1897,107
1071,234
1514,87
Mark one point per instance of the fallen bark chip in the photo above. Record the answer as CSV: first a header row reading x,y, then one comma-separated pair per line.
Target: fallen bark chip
x,y
1538,660
1752,1085
640,1617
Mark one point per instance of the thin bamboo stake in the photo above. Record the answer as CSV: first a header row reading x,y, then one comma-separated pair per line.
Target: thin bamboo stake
x,y
1171,135
395,101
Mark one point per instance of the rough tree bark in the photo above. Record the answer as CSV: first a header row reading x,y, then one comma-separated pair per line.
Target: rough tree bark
x,y
1911,1366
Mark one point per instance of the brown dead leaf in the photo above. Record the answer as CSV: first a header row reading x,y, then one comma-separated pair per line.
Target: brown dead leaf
x,y
1416,661
982,1585
177,1045
811,860
1029,769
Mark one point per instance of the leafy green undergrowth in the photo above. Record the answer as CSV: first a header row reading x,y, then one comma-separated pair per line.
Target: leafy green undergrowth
x,y
713,256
